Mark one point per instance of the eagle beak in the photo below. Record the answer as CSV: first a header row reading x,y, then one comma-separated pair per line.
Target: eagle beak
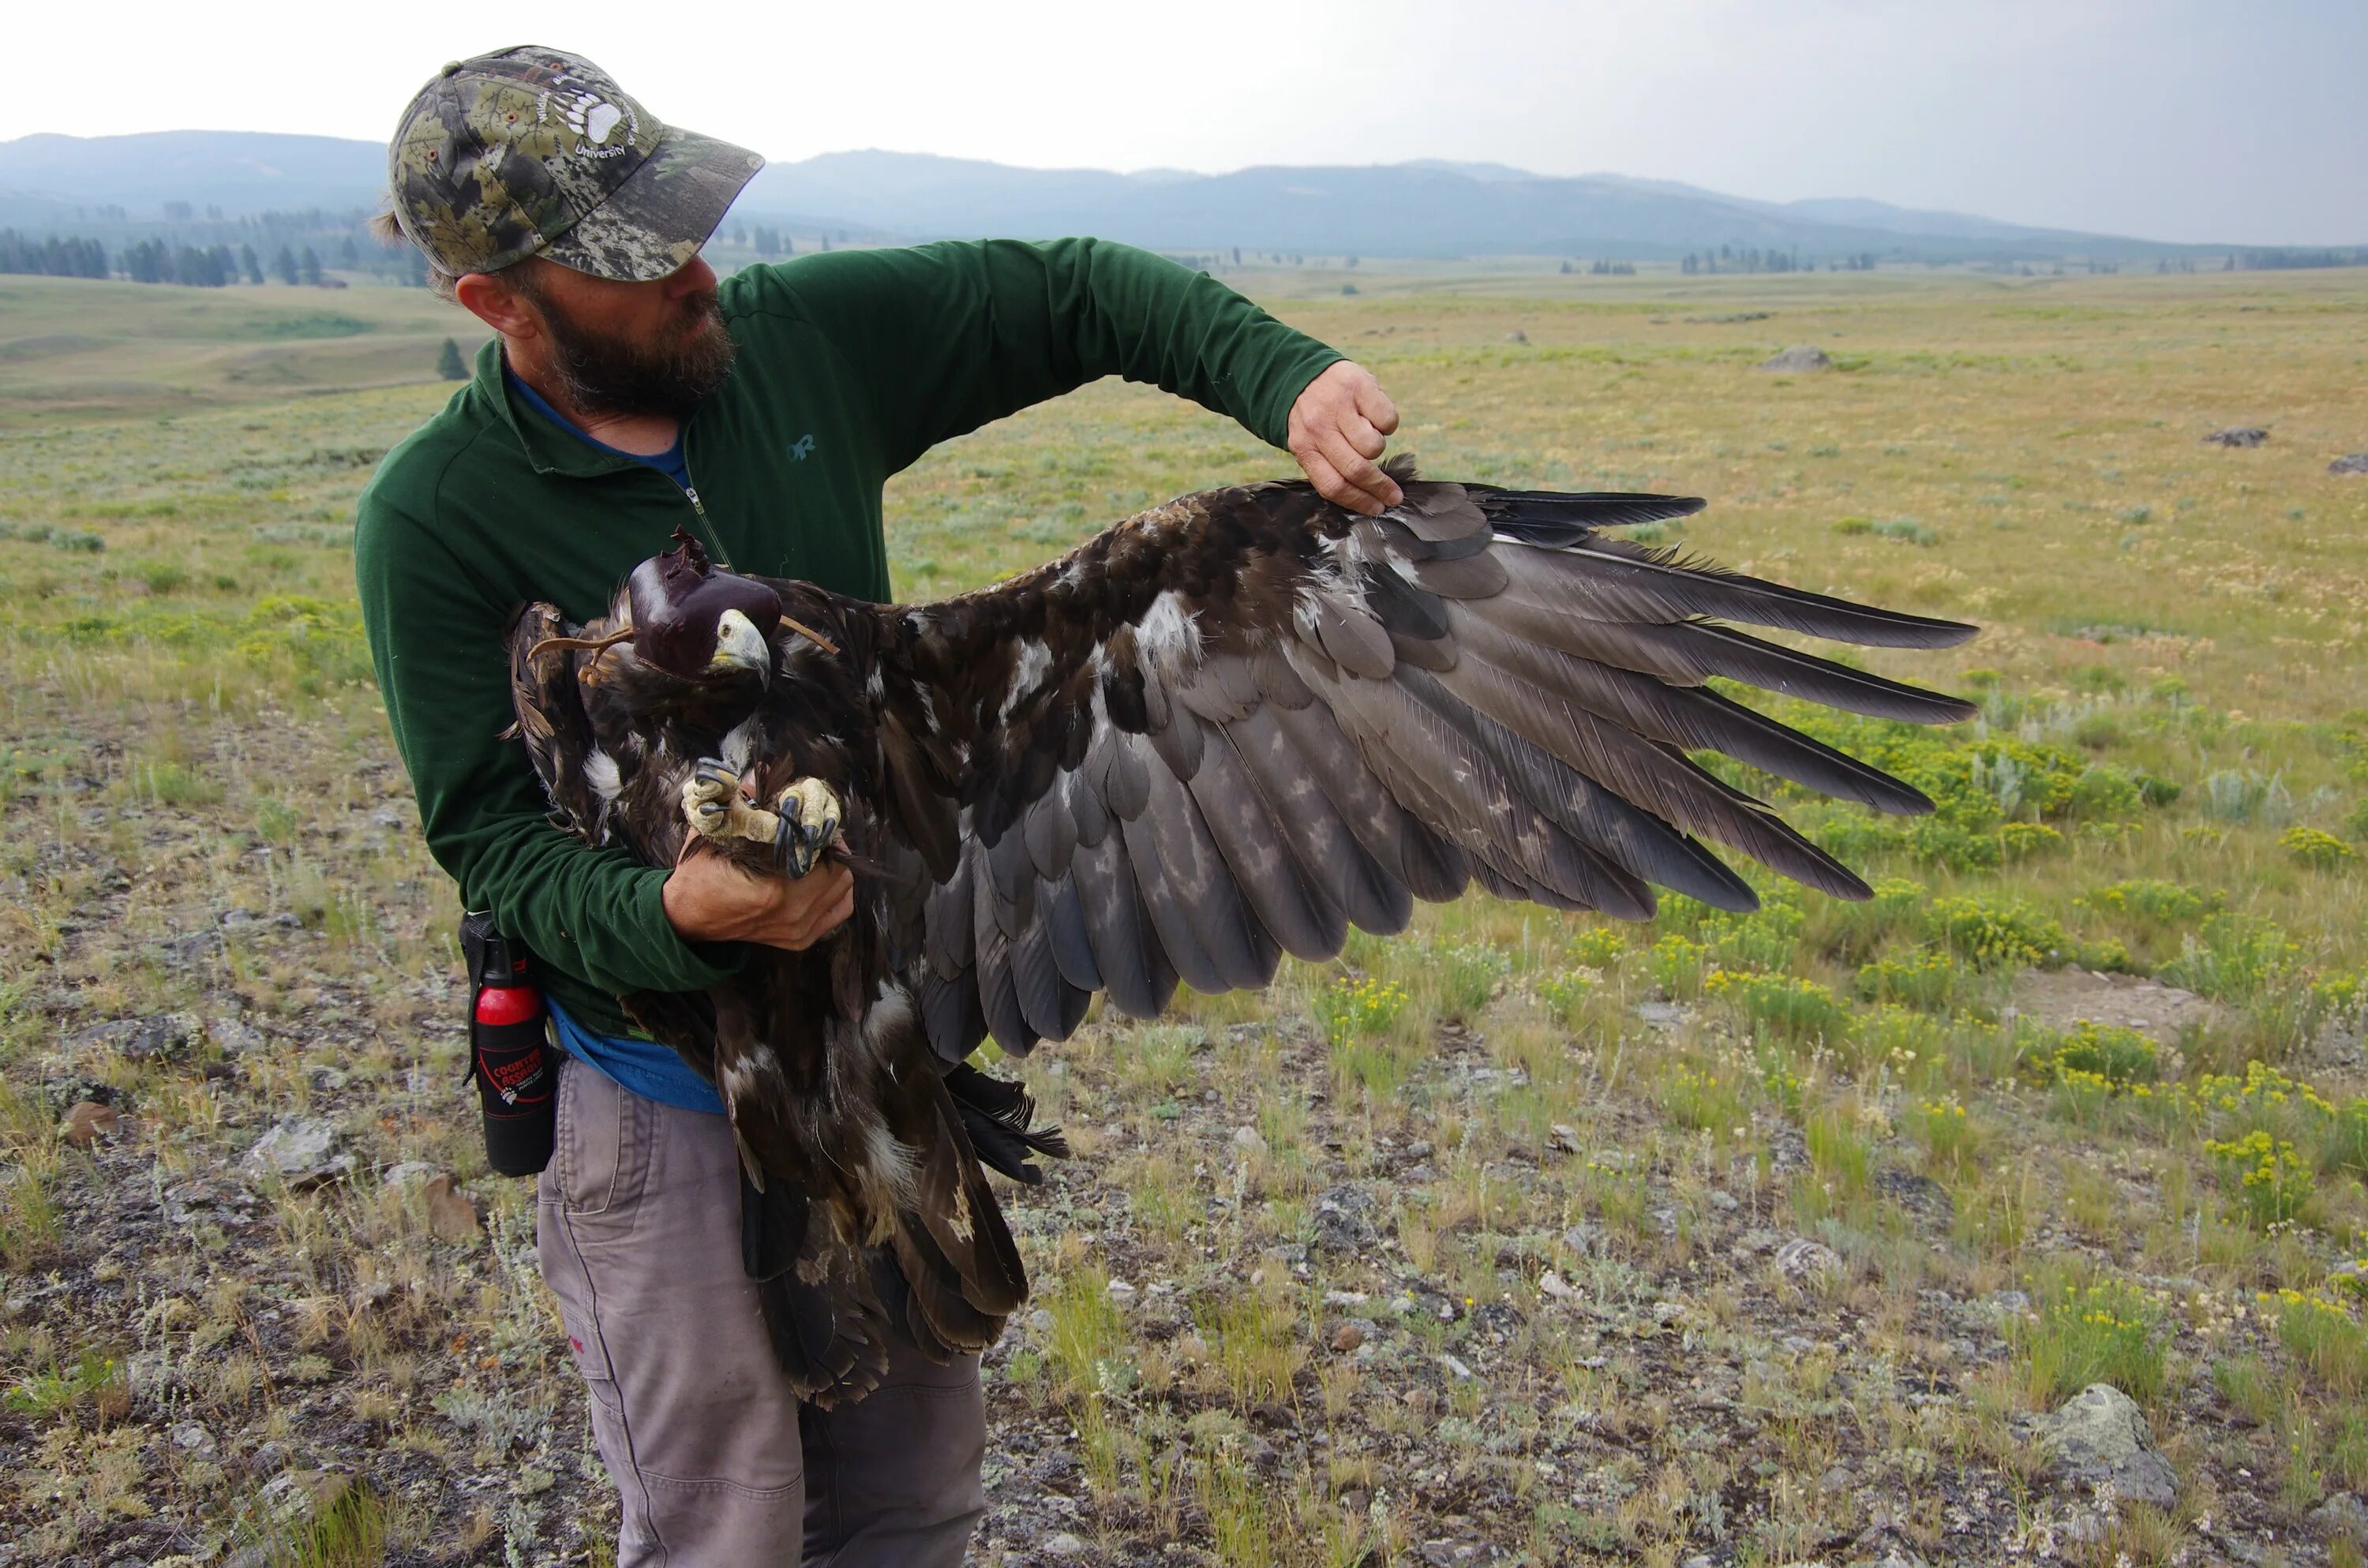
x,y
739,645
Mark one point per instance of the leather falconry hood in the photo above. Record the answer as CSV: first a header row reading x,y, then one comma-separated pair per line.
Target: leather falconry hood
x,y
677,599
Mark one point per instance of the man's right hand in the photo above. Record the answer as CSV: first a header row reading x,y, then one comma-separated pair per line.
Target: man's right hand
x,y
709,899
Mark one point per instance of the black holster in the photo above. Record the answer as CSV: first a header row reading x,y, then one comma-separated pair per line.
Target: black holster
x,y
510,1058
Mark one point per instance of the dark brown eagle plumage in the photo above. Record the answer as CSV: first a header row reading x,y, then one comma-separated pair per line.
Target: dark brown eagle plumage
x,y
1222,730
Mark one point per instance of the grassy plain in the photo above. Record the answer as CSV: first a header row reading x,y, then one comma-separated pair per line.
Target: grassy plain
x,y
1491,1243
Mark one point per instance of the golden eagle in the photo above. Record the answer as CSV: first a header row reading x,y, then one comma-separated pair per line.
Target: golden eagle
x,y
1222,730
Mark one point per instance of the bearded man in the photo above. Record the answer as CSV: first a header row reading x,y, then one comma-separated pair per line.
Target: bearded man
x,y
627,394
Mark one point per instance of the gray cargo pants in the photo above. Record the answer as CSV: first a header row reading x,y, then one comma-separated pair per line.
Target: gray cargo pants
x,y
716,1462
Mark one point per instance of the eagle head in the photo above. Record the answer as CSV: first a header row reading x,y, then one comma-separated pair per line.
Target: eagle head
x,y
697,623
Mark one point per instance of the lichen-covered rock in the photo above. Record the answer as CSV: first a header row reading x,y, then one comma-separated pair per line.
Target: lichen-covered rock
x,y
1801,356
2099,1437
1802,1257
304,1150
1344,1220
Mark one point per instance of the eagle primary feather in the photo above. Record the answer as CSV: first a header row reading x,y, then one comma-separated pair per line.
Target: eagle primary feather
x,y
1230,728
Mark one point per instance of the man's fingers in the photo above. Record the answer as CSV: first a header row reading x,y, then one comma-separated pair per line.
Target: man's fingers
x,y
1339,426
1324,476
1373,491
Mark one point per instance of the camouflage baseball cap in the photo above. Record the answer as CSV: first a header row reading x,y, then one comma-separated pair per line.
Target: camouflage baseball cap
x,y
532,151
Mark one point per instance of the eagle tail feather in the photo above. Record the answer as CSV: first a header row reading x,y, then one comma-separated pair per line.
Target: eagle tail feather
x,y
821,1313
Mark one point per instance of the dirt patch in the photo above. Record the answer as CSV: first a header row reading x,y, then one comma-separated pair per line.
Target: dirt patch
x,y
2059,998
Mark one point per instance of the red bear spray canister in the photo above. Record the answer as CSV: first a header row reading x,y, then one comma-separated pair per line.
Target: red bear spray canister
x,y
509,1054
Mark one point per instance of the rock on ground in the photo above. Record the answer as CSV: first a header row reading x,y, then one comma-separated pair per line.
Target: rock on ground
x,y
2239,436
2342,1515
1802,1257
140,1040
302,1148
1344,1220
2355,463
2099,1436
1919,1195
1800,357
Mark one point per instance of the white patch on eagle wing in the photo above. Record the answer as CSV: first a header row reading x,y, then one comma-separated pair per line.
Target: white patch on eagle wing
x,y
601,772
891,1010
744,1077
1035,662
1167,639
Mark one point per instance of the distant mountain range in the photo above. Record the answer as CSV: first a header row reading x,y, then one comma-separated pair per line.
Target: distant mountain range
x,y
1424,209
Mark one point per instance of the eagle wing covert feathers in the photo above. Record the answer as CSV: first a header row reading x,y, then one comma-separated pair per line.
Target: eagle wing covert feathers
x,y
1222,730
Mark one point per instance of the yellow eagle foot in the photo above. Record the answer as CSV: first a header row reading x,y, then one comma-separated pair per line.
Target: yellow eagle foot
x,y
803,823
808,812
713,805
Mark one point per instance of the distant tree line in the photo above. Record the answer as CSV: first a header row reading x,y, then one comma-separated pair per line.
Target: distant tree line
x,y
160,261
52,257
1727,259
2287,258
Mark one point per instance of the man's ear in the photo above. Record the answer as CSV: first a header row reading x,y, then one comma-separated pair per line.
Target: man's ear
x,y
489,296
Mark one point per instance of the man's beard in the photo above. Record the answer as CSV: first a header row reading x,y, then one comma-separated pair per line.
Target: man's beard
x,y
603,373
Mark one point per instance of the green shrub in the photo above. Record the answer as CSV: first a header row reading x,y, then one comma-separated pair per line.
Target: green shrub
x,y
1702,1101
2321,1334
1783,1004
1598,947
2156,902
323,640
2244,795
162,577
1940,1126
1906,530
1765,939
2236,958
1468,975
1927,979
2312,846
2105,793
1897,1038
1677,966
1997,933
2342,1141
2022,840
1838,1153
2341,997
2108,953
93,1378
2102,1334
1351,1010
2355,821
2120,1056
2267,1178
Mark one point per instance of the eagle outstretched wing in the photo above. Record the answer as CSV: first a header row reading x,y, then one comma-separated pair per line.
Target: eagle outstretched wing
x,y
1225,730
1235,725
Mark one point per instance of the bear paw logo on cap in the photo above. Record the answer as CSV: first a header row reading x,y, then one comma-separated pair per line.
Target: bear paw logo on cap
x,y
535,151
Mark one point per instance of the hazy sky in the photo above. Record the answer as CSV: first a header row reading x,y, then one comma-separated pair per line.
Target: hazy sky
x,y
2180,119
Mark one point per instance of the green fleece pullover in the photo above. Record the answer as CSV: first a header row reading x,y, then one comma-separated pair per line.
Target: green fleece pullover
x,y
851,365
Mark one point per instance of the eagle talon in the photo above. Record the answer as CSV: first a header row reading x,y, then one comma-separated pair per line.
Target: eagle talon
x,y
810,814
713,804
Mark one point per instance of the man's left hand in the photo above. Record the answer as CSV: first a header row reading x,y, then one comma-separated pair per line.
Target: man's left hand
x,y
1338,428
